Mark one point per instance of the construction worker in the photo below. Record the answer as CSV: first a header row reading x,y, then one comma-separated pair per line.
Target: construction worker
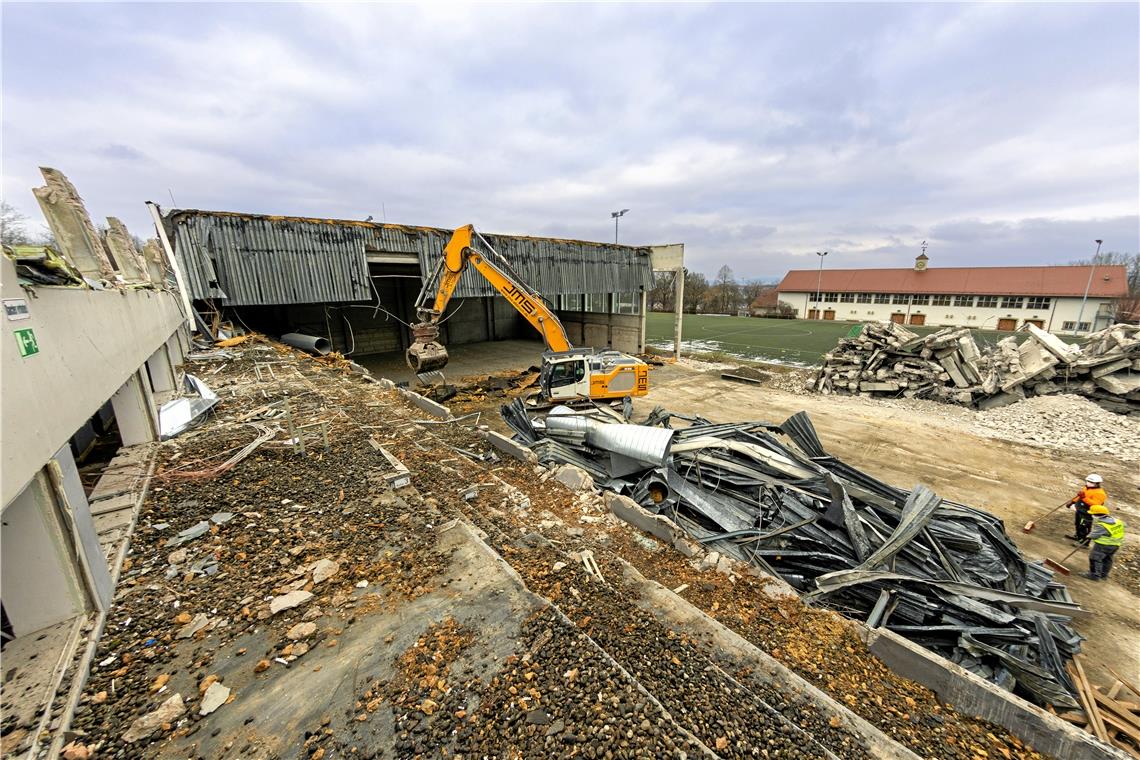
x,y
1091,495
1106,536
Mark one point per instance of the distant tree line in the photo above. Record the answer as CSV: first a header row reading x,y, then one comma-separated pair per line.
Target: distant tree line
x,y
723,295
1127,308
13,229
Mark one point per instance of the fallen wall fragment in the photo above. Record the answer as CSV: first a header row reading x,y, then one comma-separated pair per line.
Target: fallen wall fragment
x,y
948,365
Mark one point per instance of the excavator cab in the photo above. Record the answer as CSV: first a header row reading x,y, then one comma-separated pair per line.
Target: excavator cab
x,y
564,377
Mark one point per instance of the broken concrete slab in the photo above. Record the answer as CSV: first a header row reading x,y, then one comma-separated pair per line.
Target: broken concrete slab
x,y
289,601
215,696
501,443
147,724
574,478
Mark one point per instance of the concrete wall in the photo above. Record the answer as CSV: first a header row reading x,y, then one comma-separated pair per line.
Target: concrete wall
x,y
90,343
589,329
1060,311
39,581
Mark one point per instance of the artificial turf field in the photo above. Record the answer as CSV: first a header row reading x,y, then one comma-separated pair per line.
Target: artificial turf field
x,y
794,341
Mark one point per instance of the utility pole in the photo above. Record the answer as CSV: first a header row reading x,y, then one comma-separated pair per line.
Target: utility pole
x,y
618,215
819,286
1088,285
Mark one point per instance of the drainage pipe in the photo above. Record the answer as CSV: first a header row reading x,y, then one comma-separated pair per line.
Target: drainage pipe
x,y
310,343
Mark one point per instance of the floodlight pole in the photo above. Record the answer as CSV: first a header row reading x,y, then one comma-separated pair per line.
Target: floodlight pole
x,y
819,286
1088,285
618,215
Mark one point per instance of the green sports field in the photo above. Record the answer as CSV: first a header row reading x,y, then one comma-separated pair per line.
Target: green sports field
x,y
789,341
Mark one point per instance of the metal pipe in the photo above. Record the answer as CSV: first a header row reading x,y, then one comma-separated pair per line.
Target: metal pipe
x,y
310,343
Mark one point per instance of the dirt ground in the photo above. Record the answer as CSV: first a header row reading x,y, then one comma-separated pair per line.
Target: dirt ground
x,y
905,447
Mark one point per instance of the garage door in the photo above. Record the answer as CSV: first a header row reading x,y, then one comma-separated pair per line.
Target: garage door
x,y
918,319
1007,324
898,318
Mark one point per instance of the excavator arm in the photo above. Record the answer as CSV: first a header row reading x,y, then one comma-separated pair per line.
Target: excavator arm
x,y
426,352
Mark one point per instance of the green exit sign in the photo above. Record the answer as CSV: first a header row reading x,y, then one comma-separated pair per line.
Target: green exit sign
x,y
26,339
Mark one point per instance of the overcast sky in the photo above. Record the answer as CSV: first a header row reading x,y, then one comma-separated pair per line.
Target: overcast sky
x,y
754,134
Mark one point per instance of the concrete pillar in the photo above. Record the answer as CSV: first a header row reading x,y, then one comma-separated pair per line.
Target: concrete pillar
x,y
161,371
678,312
40,583
641,327
134,411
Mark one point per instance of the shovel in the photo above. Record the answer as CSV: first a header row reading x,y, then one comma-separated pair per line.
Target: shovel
x,y
1029,526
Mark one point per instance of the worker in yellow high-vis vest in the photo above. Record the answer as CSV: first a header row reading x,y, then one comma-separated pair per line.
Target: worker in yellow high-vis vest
x,y
1107,536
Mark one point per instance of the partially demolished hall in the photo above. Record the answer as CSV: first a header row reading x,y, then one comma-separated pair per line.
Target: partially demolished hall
x,y
355,283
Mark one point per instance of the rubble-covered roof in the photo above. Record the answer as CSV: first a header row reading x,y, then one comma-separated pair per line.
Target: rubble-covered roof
x,y
1107,281
257,259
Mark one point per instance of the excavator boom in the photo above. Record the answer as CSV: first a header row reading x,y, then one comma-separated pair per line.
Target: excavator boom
x,y
426,352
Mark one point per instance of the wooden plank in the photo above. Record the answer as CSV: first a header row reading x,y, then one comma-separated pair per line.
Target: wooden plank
x,y
1124,681
1087,700
1112,707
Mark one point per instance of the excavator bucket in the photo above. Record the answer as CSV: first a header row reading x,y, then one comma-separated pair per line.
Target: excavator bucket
x,y
426,353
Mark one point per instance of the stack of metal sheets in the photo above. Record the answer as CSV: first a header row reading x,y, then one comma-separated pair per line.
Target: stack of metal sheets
x,y
942,574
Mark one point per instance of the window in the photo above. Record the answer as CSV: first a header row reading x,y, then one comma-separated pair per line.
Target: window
x,y
598,302
920,300
1068,325
940,300
1084,326
847,298
830,297
864,298
966,301
987,302
1038,302
627,303
1011,302
902,298
567,373
572,302
882,298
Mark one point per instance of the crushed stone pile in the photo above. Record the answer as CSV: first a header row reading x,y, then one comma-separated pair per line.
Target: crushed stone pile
x,y
886,359
1064,421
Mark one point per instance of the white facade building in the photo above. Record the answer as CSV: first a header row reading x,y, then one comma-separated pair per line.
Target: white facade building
x,y
986,298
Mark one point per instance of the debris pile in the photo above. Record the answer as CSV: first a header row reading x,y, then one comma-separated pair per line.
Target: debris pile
x,y
942,574
884,358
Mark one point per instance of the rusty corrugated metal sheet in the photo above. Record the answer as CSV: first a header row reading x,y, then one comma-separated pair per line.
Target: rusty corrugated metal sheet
x,y
247,259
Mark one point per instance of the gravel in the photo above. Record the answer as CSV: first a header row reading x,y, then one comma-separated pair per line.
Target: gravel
x,y
1063,421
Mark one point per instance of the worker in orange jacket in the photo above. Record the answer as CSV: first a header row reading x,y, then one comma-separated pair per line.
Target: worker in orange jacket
x,y
1091,495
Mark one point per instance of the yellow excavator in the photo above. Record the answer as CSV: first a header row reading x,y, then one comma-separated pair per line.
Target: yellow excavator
x,y
568,373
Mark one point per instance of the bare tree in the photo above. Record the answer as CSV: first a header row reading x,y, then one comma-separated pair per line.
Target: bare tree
x,y
695,288
12,223
728,294
664,292
1128,307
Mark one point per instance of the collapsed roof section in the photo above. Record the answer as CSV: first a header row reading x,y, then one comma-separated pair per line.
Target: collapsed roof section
x,y
258,260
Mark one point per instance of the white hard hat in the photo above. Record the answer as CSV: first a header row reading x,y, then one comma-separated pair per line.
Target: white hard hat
x,y
1094,478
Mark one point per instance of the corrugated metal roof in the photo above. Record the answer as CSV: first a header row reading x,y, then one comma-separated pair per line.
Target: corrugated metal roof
x,y
1107,282
249,259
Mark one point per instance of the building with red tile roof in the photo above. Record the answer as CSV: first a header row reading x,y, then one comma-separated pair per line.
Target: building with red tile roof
x,y
1002,298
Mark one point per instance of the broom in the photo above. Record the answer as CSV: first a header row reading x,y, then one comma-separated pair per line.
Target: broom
x,y
1060,566
1029,526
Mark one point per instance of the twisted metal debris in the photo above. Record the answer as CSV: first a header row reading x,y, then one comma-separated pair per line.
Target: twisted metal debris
x,y
942,574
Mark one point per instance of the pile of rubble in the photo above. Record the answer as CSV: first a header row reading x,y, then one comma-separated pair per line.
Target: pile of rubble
x,y
884,358
942,574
